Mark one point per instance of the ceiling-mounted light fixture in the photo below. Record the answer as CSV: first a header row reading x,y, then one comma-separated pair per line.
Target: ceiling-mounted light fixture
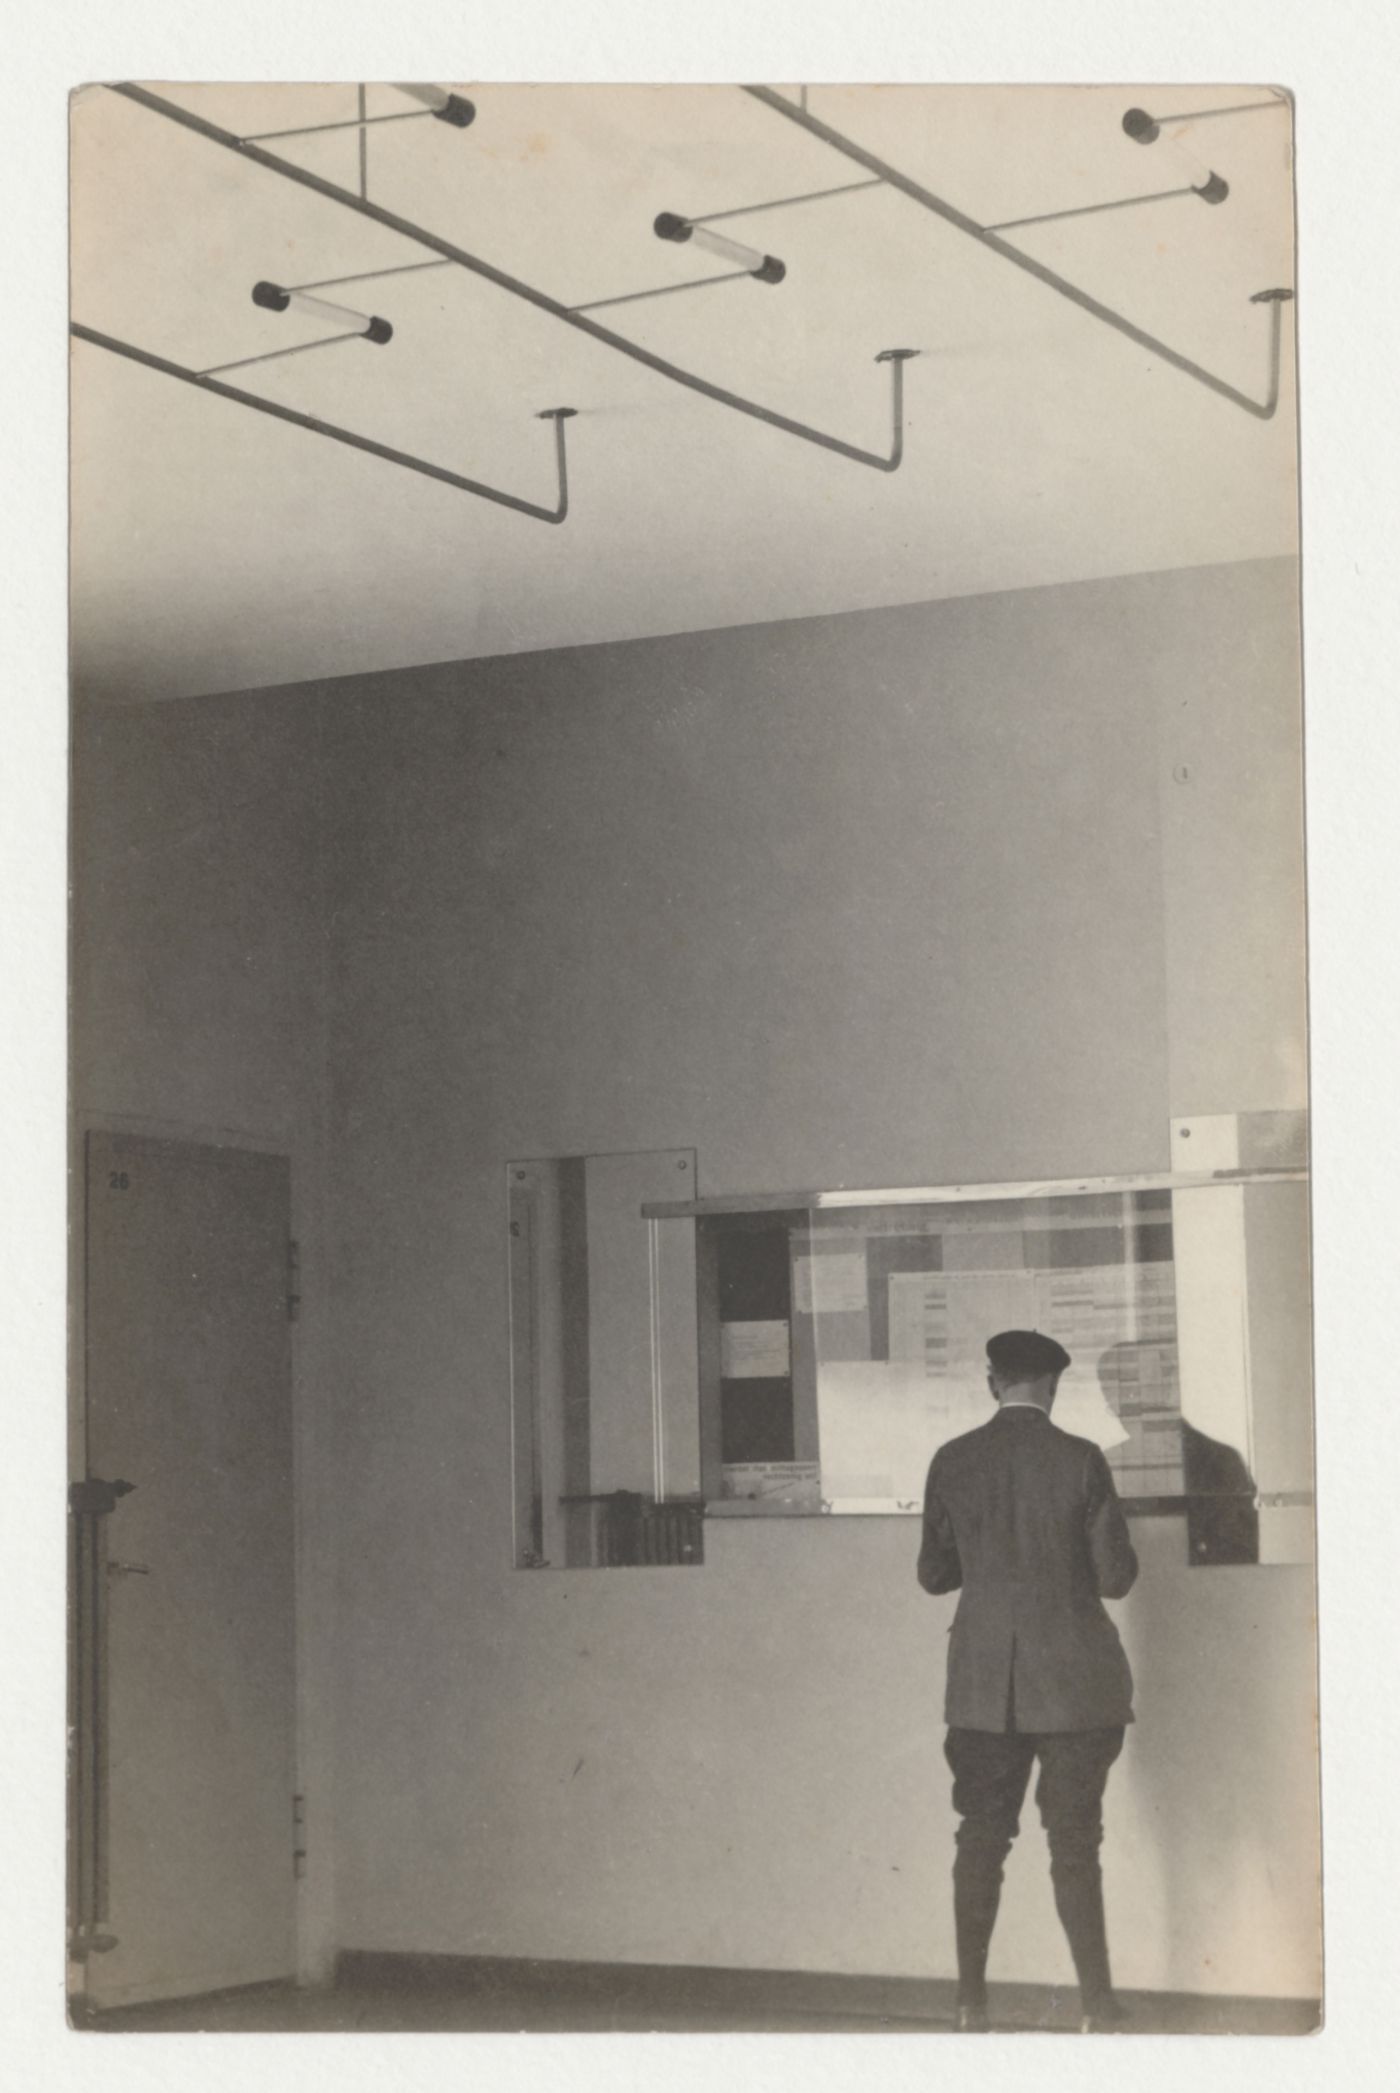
x,y
275,299
1146,130
476,265
764,268
1263,410
210,382
452,109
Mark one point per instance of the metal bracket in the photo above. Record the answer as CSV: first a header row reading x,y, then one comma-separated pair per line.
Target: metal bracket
x,y
93,1497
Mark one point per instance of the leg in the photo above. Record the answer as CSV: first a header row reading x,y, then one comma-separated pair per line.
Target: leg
x,y
1074,1768
990,1772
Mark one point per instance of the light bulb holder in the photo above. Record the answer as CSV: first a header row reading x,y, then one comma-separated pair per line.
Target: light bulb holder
x,y
272,296
457,111
1213,190
378,330
1141,128
668,226
773,271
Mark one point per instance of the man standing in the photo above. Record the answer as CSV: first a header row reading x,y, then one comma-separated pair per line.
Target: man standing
x,y
1024,1519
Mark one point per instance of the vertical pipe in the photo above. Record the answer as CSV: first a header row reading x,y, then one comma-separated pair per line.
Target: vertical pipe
x,y
80,1741
101,1743
658,1407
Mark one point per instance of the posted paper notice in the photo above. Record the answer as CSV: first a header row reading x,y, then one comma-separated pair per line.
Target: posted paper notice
x,y
754,1351
831,1285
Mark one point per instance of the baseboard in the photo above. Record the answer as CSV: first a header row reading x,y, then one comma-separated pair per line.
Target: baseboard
x,y
711,1992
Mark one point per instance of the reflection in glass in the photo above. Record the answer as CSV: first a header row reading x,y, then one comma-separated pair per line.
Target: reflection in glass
x,y
1222,1513
850,1346
894,1305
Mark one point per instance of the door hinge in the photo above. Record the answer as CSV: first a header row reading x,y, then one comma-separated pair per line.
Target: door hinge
x,y
298,1836
293,1279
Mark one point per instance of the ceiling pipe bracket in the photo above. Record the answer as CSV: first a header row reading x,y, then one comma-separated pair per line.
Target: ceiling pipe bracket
x,y
476,266
1262,410
350,437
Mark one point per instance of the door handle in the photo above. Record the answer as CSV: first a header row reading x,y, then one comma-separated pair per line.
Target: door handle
x,y
128,1569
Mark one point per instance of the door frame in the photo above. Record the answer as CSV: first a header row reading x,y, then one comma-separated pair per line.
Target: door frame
x,y
311,1573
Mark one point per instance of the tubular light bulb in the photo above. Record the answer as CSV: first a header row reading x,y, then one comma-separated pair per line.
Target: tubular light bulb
x,y
423,91
728,250
766,268
276,299
1208,185
451,108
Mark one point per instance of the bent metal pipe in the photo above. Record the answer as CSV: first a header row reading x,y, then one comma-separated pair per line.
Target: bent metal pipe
x,y
206,383
518,289
1263,409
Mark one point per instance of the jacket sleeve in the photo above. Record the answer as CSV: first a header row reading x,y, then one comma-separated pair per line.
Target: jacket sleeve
x,y
1115,1564
939,1567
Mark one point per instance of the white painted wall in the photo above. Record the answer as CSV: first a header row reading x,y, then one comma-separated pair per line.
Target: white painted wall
x,y
899,895
902,895
199,1010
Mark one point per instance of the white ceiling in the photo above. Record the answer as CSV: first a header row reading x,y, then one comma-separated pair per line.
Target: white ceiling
x,y
217,549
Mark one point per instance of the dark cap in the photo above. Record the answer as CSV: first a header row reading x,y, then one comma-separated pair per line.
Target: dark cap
x,y
1024,1355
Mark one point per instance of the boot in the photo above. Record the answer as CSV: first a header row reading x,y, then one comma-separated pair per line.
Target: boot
x,y
976,1899
1079,1902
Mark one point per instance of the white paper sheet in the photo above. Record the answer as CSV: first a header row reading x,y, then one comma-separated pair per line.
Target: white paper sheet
x,y
754,1351
832,1284
787,1482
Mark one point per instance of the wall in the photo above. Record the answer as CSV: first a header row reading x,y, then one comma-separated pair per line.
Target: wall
x,y
198,1009
910,895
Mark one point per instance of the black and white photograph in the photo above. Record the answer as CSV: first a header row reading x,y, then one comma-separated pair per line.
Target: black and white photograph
x,y
693,1403
694,1226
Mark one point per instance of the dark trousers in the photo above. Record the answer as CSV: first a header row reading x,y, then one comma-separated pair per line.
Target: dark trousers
x,y
990,1772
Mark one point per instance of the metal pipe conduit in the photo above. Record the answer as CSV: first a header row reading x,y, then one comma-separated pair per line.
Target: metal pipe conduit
x,y
558,415
1262,409
491,274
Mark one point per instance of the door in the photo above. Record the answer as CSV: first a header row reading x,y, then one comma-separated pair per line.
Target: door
x,y
188,1398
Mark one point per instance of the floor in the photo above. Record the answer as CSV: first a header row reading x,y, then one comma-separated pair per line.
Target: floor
x,y
407,1994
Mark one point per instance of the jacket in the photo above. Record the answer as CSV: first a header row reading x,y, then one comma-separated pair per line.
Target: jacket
x,y
1024,1520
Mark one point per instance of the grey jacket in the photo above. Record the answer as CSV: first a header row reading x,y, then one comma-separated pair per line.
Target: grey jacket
x,y
1024,1520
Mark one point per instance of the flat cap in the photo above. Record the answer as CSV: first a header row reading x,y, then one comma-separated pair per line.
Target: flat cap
x,y
1024,1355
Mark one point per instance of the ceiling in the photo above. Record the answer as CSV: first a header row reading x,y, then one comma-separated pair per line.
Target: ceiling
x,y
217,549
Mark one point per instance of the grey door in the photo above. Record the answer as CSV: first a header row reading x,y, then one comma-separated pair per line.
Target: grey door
x,y
188,1397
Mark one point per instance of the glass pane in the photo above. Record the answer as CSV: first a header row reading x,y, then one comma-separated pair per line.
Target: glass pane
x,y
841,1346
893,1306
759,1458
1246,1371
604,1380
